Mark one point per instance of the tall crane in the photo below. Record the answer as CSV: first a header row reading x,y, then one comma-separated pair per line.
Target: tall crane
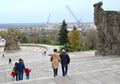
x,y
73,16
48,18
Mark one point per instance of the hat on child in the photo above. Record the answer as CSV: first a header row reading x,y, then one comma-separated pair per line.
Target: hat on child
x,y
27,66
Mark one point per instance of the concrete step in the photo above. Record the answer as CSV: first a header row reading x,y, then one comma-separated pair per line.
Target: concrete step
x,y
44,80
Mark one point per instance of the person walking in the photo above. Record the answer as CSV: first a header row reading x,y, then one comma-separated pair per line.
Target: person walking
x,y
45,53
27,72
10,60
65,60
3,55
55,59
20,69
14,71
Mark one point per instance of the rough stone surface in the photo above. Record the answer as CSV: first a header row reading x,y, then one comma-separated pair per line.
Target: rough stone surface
x,y
108,26
11,42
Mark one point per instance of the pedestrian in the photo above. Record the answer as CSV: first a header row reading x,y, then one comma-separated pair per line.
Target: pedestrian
x,y
45,53
10,60
27,72
3,56
20,69
14,71
65,60
55,62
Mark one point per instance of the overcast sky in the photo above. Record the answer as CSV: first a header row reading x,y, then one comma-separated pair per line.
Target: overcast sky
x,y
38,11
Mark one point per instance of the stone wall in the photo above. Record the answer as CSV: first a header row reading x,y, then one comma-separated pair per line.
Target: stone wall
x,y
108,26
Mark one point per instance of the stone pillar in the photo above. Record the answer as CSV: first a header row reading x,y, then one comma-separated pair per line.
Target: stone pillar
x,y
108,26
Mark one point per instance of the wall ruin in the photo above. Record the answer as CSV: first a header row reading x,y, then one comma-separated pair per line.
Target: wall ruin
x,y
108,26
11,42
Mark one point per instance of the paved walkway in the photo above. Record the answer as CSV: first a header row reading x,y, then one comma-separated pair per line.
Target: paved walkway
x,y
85,68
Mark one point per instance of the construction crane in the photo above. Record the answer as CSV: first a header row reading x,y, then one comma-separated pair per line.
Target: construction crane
x,y
73,16
48,18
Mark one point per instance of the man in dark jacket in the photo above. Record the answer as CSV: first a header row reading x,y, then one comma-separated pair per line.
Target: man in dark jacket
x,y
65,60
20,69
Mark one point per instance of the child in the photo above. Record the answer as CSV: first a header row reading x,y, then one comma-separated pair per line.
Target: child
x,y
14,71
27,72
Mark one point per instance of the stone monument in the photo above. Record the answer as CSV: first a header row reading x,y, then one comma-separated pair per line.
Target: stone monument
x,y
108,26
11,42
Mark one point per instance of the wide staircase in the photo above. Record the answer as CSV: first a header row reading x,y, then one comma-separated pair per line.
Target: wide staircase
x,y
85,68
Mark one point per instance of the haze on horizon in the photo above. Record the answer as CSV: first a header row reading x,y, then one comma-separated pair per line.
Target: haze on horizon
x,y
38,11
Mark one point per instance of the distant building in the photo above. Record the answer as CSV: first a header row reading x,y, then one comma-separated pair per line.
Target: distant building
x,y
82,27
3,29
28,28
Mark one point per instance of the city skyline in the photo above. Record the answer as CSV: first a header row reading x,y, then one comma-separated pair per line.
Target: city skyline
x,y
37,11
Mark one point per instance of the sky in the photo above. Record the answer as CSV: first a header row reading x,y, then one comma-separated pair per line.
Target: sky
x,y
52,11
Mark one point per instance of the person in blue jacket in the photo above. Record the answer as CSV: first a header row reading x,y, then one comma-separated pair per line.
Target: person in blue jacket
x,y
20,70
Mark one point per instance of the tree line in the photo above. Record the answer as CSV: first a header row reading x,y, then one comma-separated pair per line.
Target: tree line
x,y
74,40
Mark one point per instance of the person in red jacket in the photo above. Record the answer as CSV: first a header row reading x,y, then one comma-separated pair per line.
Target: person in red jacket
x,y
27,72
14,71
